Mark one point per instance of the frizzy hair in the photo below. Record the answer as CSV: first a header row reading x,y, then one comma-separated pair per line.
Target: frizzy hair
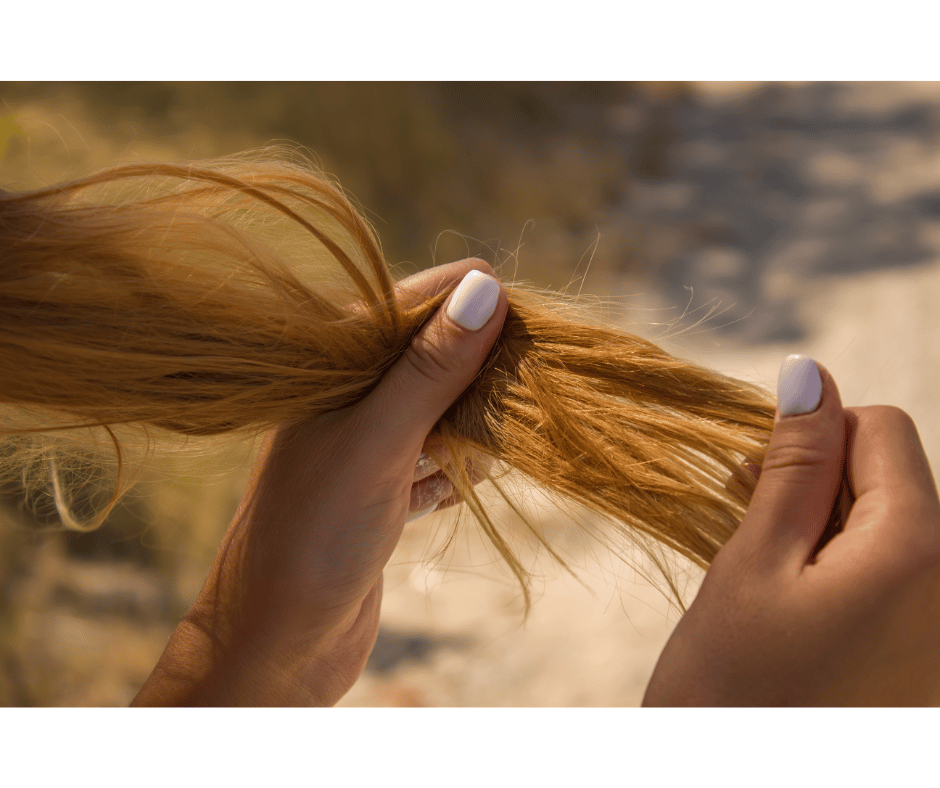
x,y
153,301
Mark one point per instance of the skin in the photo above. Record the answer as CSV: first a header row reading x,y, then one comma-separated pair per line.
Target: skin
x,y
854,625
290,611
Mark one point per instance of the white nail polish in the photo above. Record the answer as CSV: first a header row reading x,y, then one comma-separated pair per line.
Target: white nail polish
x,y
424,467
799,386
417,515
474,301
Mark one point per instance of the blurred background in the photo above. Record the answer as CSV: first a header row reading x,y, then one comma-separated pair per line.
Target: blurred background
x,y
733,223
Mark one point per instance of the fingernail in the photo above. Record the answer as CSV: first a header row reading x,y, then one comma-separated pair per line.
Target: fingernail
x,y
424,467
752,468
419,514
799,386
474,301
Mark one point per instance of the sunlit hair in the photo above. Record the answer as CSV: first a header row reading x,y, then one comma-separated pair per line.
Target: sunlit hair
x,y
153,301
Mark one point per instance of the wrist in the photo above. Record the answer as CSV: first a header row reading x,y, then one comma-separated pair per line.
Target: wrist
x,y
198,669
233,649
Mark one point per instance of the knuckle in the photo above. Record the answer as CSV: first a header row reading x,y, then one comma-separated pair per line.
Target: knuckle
x,y
921,545
908,552
892,419
881,423
795,452
429,358
429,491
482,265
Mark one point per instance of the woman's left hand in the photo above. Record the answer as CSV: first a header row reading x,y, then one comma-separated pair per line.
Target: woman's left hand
x,y
290,612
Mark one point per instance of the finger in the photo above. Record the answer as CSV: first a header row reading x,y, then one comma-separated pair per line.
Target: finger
x,y
424,467
741,481
442,360
433,455
417,288
441,496
427,465
888,471
429,492
886,453
414,290
802,468
478,471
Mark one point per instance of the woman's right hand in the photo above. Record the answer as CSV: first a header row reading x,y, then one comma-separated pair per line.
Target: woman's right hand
x,y
859,623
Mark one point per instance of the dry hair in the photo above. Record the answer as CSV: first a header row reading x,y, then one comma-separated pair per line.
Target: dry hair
x,y
153,301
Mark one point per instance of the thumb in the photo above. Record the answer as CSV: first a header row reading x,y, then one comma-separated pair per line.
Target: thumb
x,y
442,360
802,469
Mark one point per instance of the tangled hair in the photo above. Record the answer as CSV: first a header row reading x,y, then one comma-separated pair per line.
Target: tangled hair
x,y
153,301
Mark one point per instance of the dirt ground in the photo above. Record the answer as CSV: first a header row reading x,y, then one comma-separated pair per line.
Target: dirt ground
x,y
810,212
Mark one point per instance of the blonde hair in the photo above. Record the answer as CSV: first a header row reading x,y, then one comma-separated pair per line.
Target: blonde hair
x,y
153,301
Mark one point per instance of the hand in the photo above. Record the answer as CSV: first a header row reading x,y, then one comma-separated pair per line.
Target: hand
x,y
290,611
859,623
